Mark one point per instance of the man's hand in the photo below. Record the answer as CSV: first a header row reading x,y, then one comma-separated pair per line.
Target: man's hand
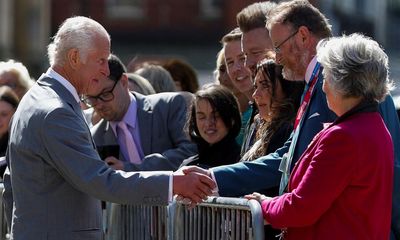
x,y
115,163
190,169
192,185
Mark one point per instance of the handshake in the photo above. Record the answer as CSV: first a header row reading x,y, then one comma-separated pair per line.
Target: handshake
x,y
193,184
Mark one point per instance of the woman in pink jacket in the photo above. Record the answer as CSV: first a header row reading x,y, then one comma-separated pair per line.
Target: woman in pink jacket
x,y
341,187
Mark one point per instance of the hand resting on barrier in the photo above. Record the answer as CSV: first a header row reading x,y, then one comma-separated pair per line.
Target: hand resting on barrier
x,y
194,186
257,196
260,198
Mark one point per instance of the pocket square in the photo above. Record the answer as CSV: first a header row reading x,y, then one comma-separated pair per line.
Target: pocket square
x,y
316,114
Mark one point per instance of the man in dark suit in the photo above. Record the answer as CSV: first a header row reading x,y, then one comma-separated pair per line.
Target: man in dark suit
x,y
55,174
156,123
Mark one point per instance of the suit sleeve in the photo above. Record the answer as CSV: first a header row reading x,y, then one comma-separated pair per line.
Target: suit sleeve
x,y
71,152
247,177
183,148
389,115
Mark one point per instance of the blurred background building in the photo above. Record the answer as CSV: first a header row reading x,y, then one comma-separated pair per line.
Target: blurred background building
x,y
160,29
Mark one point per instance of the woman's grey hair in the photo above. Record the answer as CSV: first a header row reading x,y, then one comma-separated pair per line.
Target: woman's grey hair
x,y
18,68
159,77
140,84
355,66
75,32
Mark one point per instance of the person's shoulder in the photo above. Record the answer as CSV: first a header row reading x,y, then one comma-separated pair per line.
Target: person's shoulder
x,y
174,98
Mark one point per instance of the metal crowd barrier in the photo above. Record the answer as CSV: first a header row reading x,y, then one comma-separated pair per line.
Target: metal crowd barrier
x,y
136,222
3,223
216,218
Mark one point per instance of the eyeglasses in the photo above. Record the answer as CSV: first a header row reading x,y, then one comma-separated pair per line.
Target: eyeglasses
x,y
107,96
277,49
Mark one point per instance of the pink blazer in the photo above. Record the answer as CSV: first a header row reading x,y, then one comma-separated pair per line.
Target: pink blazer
x,y
341,188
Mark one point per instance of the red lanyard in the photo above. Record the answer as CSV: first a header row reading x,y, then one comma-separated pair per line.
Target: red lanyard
x,y
307,95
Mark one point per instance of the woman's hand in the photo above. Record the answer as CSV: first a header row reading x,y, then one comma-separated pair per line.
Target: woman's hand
x,y
260,198
257,196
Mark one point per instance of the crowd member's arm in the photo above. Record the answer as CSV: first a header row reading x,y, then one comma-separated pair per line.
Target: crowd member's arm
x,y
246,177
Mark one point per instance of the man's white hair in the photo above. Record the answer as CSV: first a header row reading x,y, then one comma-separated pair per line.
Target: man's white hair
x,y
75,32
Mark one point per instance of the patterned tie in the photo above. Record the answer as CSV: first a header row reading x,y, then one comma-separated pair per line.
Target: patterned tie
x,y
286,163
127,143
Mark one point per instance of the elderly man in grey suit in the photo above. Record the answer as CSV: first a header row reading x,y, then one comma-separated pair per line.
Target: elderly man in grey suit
x,y
56,175
155,123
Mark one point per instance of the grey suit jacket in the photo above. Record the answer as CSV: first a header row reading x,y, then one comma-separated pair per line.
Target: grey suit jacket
x,y
162,118
56,174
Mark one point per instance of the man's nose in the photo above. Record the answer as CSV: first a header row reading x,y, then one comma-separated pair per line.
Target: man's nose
x,y
105,70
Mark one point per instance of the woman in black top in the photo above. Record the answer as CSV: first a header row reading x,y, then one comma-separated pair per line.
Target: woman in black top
x,y
213,124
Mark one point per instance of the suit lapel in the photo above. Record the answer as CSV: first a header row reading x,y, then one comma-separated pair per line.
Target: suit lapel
x,y
66,96
145,118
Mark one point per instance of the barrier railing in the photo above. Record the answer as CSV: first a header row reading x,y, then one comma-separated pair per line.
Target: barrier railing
x,y
215,218
3,223
136,222
219,218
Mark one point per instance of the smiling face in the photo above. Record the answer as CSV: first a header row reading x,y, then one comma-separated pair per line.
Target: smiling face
x,y
238,73
266,94
256,45
209,122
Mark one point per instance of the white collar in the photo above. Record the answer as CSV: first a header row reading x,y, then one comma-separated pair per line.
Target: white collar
x,y
53,74
310,69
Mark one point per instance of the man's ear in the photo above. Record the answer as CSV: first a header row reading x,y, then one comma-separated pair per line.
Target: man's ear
x,y
304,35
124,80
73,58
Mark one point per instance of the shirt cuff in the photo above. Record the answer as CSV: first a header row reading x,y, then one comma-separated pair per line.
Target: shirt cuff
x,y
170,190
215,191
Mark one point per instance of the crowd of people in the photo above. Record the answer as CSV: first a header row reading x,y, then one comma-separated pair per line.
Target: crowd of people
x,y
298,119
